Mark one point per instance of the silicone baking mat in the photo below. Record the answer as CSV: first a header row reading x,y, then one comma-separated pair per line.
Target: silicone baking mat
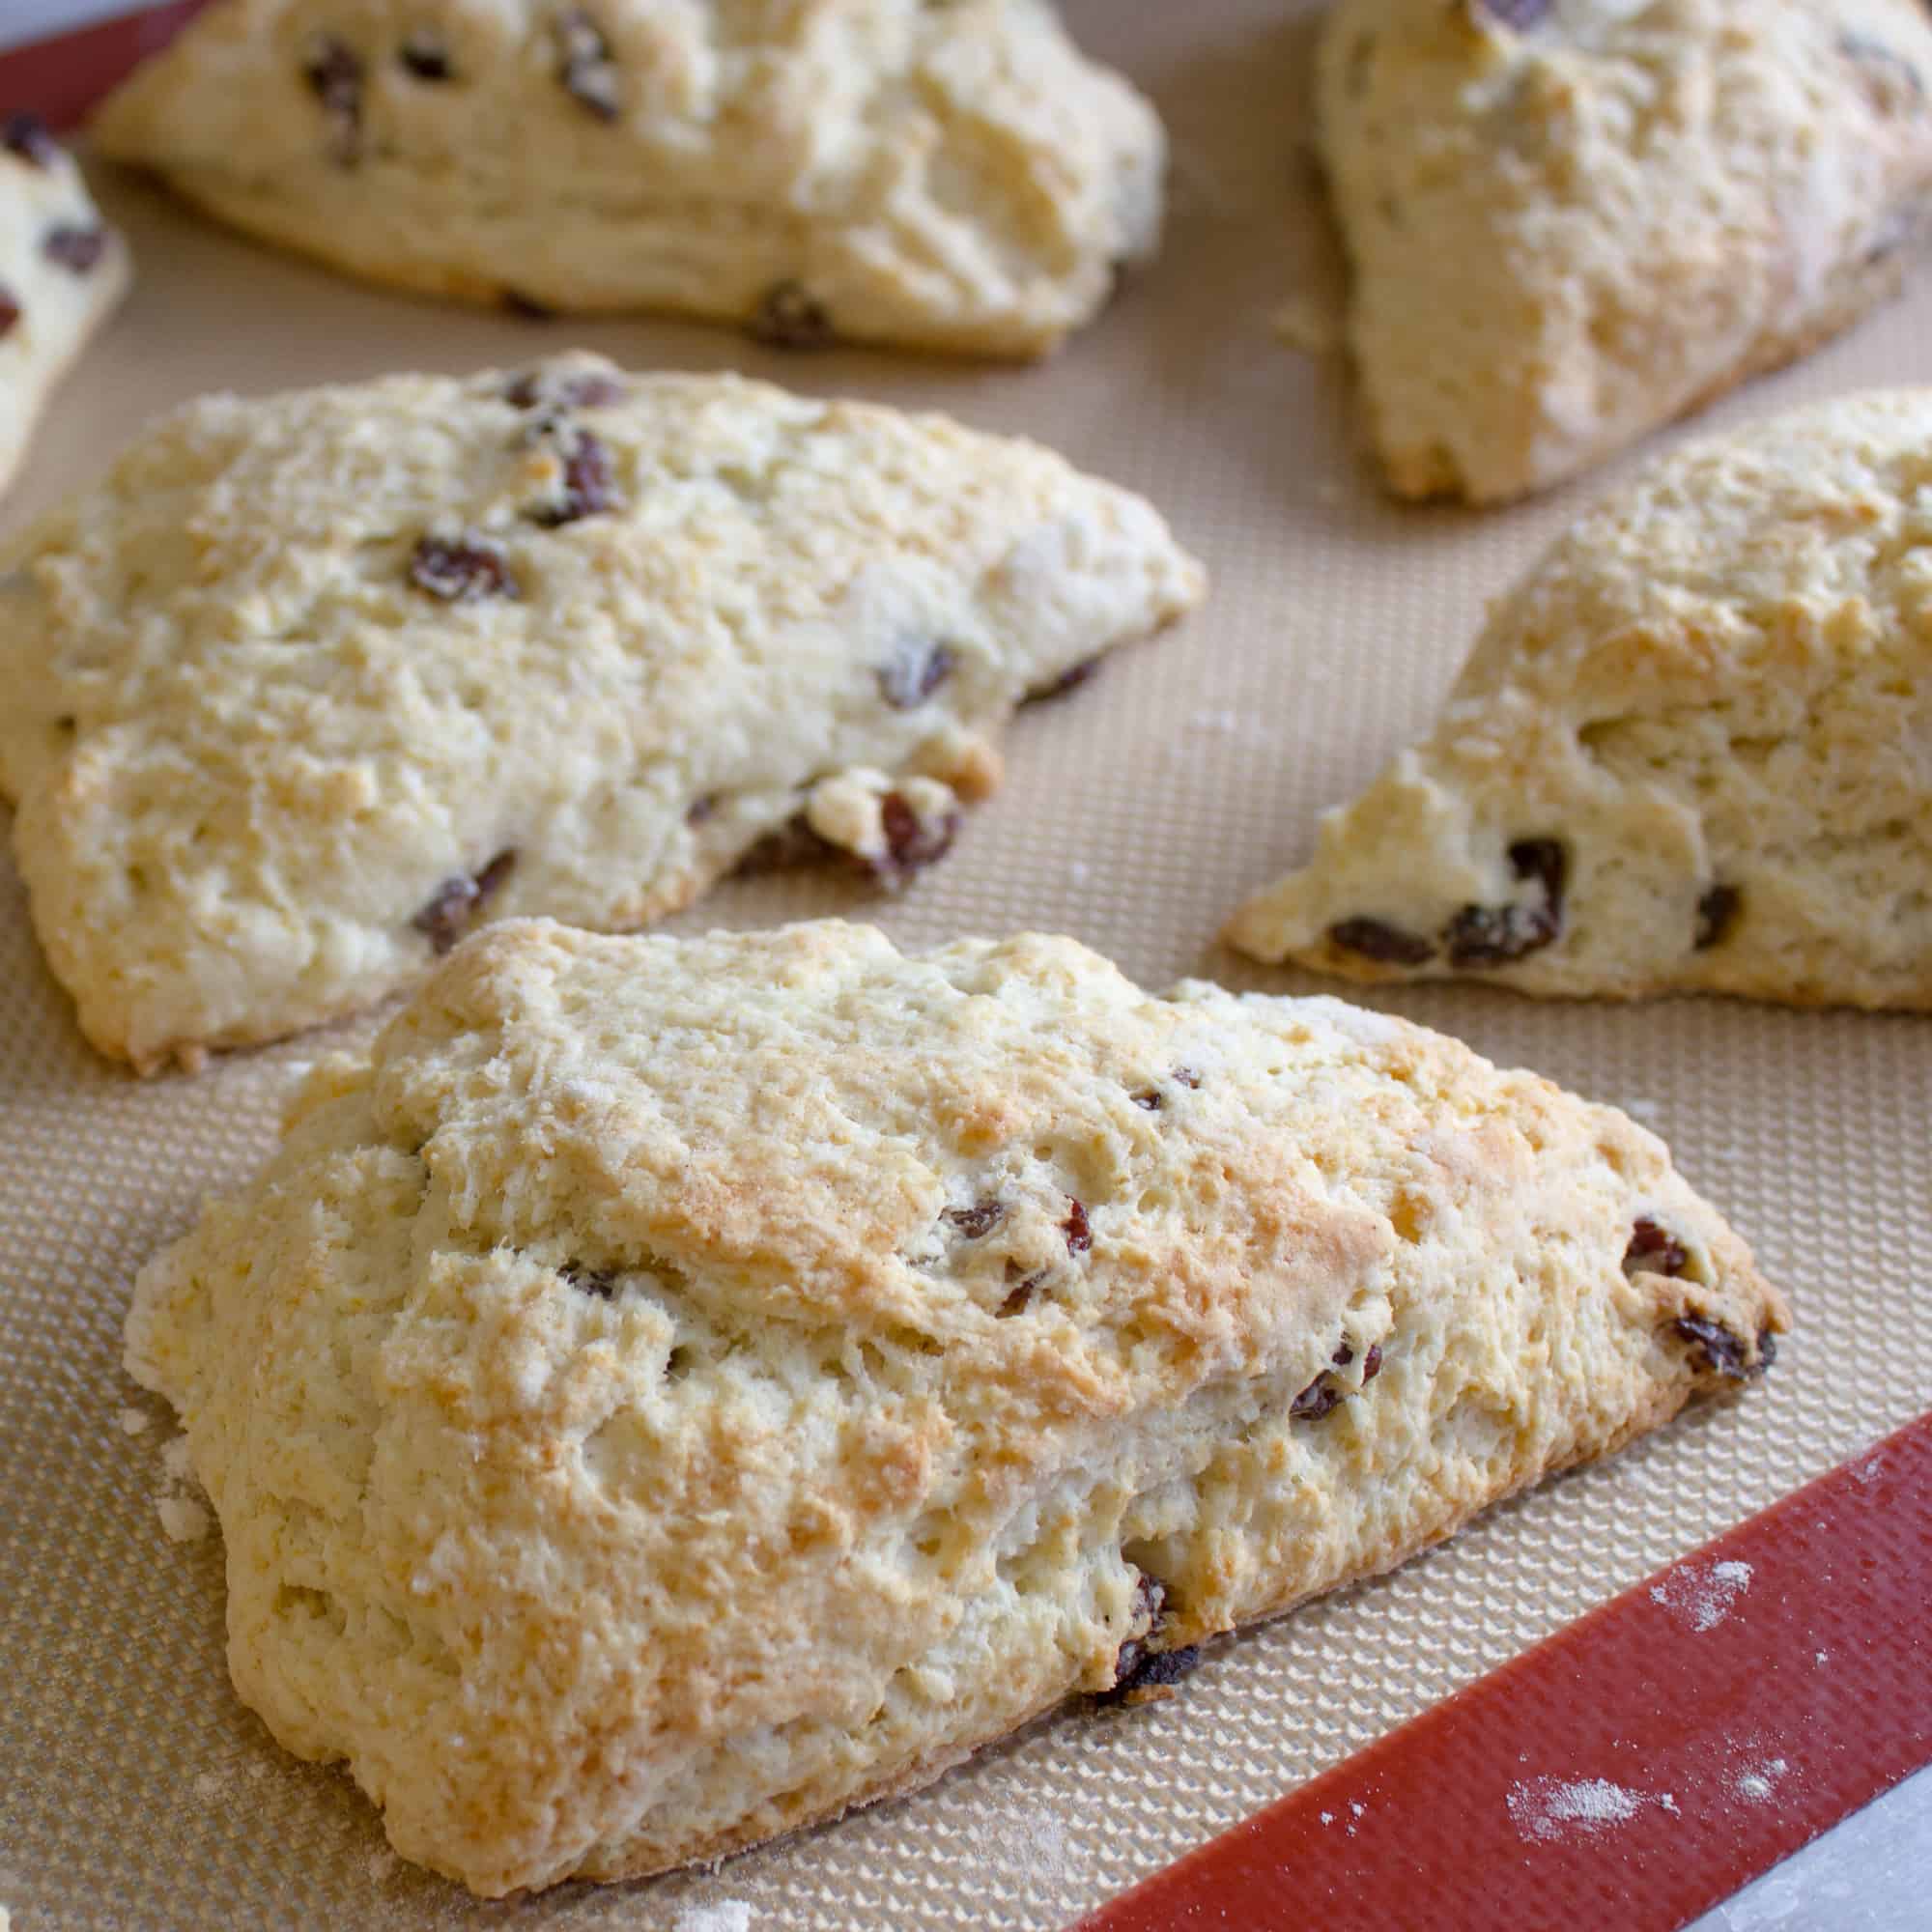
x,y
135,1792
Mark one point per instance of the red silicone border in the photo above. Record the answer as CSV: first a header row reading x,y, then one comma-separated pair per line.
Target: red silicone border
x,y
61,79
1627,1695
1822,1661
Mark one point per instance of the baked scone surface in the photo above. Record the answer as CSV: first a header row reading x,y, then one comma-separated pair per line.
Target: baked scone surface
x,y
1573,220
63,271
1689,751
670,1390
954,177
308,685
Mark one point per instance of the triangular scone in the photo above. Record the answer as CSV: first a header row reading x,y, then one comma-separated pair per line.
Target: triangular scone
x,y
61,272
308,685
949,176
1573,220
1691,751
669,1391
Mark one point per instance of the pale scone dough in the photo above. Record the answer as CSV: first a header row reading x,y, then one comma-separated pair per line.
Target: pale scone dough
x,y
949,176
669,1391
1691,751
63,271
1568,233
309,684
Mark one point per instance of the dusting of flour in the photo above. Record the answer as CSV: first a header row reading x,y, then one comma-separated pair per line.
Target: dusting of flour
x,y
1757,1782
1545,1809
730,1915
1700,1600
182,1515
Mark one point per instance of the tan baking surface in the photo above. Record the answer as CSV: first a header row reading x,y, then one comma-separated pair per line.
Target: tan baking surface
x,y
134,1790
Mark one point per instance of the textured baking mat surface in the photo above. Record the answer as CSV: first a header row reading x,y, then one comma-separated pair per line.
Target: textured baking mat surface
x,y
136,1792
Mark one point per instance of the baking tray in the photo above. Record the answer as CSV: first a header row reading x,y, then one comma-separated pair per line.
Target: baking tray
x,y
134,1790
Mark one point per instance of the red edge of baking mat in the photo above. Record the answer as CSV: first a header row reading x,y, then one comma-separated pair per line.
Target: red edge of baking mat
x,y
1633,1769
61,79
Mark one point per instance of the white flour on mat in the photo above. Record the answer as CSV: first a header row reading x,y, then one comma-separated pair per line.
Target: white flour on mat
x,y
1757,1782
1543,1809
1700,1600
182,1515
731,1914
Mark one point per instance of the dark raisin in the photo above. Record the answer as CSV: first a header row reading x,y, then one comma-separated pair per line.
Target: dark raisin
x,y
1521,15
1653,1251
10,310
1071,679
425,56
976,1221
1141,1671
1372,939
583,64
911,841
1716,912
1079,1236
1766,1349
587,391
1021,1292
916,671
788,317
700,807
460,570
27,135
1343,1356
1543,860
1717,1348
600,1282
1153,1671
1149,1099
333,71
1372,1363
527,306
588,487
1149,1600
1496,935
1315,1400
74,247
453,907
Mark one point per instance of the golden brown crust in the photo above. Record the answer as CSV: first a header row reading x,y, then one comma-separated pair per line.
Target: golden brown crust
x,y
750,1373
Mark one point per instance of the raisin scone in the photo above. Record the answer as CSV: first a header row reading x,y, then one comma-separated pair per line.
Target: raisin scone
x,y
669,1391
1691,752
953,177
1570,222
63,271
308,685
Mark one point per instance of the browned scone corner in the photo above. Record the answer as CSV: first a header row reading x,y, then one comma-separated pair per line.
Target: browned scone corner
x,y
667,1392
